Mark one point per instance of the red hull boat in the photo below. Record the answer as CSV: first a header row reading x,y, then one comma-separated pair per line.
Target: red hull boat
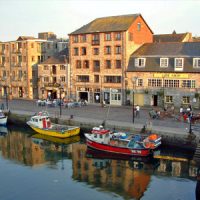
x,y
103,140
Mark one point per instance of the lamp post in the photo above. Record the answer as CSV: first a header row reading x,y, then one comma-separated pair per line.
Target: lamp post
x,y
134,79
6,92
61,89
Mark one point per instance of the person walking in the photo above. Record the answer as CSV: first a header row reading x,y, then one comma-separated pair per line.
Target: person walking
x,y
137,111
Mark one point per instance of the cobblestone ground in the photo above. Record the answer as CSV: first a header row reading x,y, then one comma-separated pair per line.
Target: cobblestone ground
x,y
114,113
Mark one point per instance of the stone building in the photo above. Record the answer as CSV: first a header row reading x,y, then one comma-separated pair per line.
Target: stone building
x,y
53,76
165,73
99,55
18,65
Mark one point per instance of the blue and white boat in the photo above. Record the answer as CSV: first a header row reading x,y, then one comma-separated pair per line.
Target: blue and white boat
x,y
3,118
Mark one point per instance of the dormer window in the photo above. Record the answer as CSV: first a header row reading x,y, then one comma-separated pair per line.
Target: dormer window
x,y
140,62
196,62
178,64
164,62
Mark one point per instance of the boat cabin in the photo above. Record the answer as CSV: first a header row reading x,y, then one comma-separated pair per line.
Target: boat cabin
x,y
100,135
41,121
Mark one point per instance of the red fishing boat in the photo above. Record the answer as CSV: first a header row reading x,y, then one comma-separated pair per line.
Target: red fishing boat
x,y
132,145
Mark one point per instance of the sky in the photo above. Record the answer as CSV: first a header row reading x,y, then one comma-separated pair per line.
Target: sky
x,y
29,17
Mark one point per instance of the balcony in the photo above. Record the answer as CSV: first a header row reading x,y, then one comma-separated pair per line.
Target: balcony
x,y
95,42
19,64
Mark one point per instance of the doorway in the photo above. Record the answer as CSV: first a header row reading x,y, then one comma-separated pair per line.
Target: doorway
x,y
155,100
83,96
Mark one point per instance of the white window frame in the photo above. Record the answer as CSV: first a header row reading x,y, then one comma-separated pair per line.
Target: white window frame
x,y
196,62
164,62
140,62
186,99
178,66
168,99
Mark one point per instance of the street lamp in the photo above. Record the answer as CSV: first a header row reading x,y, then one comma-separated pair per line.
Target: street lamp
x,y
134,79
61,90
6,92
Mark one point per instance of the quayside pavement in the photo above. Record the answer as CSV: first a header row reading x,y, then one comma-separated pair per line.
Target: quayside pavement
x,y
119,117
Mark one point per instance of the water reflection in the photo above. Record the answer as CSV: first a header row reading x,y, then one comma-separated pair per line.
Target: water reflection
x,y
125,177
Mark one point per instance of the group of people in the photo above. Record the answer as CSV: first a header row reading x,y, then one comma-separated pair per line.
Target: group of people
x,y
186,113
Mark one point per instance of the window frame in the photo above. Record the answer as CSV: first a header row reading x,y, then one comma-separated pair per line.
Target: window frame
x,y
165,63
140,62
196,62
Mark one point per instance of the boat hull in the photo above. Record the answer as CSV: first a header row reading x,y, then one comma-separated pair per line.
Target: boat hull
x,y
57,133
68,140
117,150
3,121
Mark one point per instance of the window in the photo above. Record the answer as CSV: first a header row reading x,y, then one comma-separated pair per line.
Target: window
x,y
171,83
83,78
76,51
96,78
62,67
117,36
140,62
86,64
168,99
108,64
107,36
46,79
46,67
107,50
164,62
96,64
33,58
83,51
154,82
96,51
188,84
196,62
186,99
75,38
32,45
140,82
138,26
178,64
118,64
62,78
112,79
95,39
83,38
118,49
78,64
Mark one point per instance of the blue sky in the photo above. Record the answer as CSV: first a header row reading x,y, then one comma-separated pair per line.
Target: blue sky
x,y
28,17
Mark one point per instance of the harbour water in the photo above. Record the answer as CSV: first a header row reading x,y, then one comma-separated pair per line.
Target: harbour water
x,y
33,167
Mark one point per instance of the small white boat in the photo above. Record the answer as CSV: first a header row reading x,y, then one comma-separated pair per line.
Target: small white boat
x,y
3,118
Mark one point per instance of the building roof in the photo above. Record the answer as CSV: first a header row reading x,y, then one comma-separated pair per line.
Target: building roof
x,y
174,37
25,38
108,24
58,58
154,51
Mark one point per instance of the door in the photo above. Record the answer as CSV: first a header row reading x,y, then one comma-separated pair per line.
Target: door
x,y
139,99
155,100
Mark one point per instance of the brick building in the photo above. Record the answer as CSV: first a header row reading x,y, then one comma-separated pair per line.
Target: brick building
x,y
53,76
165,73
99,55
18,65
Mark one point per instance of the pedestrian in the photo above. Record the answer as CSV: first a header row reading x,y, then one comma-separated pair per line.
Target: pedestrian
x,y
172,109
137,111
97,98
181,110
